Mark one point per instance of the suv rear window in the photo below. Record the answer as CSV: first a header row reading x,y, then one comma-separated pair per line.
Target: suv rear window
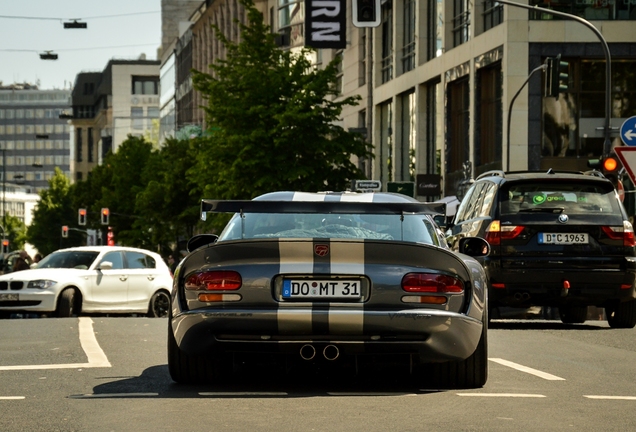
x,y
572,197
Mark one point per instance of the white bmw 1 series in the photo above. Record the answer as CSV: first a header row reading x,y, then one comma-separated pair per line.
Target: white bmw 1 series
x,y
90,279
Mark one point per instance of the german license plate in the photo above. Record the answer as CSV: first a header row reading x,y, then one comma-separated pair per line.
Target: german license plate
x,y
563,238
9,297
321,289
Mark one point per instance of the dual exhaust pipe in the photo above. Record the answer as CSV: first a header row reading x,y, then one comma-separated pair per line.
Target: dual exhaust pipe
x,y
330,352
522,296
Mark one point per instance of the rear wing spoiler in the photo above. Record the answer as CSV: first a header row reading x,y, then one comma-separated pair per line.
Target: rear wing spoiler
x,y
336,207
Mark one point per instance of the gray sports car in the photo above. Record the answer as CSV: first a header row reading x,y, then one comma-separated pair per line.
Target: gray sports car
x,y
326,278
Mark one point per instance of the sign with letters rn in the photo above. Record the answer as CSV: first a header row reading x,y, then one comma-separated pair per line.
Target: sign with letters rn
x,y
325,23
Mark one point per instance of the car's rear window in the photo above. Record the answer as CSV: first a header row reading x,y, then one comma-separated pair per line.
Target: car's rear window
x,y
571,197
413,227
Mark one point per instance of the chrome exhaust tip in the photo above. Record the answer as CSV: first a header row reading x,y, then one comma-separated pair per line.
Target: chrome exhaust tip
x,y
307,352
331,352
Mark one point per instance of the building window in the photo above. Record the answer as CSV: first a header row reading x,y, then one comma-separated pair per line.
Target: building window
x,y
457,139
461,21
78,145
290,21
489,118
145,85
387,41
89,88
590,10
137,117
431,127
408,50
362,79
493,14
385,160
339,73
571,122
90,144
405,155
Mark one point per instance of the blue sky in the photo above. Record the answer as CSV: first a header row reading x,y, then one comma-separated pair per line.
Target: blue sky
x,y
117,29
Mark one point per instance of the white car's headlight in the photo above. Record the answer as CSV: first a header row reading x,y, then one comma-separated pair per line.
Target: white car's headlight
x,y
41,283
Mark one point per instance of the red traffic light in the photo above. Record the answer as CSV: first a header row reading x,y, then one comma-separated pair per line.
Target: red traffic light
x,y
105,216
64,231
81,216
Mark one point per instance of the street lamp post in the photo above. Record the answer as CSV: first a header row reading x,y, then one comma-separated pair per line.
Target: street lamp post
x,y
4,192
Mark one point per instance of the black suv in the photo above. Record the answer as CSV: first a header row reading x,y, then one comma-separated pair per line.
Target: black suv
x,y
560,239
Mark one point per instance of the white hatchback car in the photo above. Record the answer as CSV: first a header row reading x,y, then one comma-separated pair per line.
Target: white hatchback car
x,y
90,279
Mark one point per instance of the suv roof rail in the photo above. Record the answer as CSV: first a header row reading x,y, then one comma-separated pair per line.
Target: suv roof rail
x,y
595,173
493,173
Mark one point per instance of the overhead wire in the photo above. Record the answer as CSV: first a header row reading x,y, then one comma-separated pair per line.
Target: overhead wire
x,y
69,19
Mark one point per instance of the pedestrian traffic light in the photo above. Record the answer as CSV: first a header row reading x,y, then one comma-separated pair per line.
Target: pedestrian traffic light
x,y
366,13
105,216
65,231
5,246
557,76
81,216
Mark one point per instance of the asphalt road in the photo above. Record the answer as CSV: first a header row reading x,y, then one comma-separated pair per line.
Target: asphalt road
x,y
110,374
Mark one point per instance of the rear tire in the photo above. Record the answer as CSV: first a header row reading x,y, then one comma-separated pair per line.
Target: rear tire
x,y
573,314
66,304
189,369
464,374
622,315
159,305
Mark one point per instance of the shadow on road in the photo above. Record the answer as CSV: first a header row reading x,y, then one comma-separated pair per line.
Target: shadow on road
x,y
258,383
545,325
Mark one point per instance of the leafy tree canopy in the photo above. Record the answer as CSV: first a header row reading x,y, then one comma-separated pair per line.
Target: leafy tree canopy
x,y
274,119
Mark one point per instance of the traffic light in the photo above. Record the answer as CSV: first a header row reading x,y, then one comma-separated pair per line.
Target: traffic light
x,y
366,13
81,216
5,246
611,168
64,231
557,76
105,216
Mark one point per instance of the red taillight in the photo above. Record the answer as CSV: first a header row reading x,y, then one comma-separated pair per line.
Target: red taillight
x,y
497,232
431,283
214,280
625,233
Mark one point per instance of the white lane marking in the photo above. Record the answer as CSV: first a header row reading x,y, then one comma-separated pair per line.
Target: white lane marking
x,y
112,395
11,397
527,369
233,394
510,395
611,397
88,341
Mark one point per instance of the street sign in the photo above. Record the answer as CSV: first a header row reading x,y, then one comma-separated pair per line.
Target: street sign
x,y
429,184
627,155
404,188
368,185
628,131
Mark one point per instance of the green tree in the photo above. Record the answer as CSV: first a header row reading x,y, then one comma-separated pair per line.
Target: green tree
x,y
15,232
274,118
54,210
167,205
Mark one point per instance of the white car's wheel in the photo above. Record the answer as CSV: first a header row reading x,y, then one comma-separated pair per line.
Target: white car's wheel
x,y
66,304
159,305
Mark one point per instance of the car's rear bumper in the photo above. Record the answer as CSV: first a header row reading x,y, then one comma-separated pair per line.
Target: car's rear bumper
x,y
560,287
434,335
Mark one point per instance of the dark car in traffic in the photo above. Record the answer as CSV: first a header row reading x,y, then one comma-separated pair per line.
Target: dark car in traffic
x,y
323,278
558,239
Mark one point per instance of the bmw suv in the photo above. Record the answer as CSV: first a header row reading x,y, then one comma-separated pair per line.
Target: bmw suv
x,y
559,239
